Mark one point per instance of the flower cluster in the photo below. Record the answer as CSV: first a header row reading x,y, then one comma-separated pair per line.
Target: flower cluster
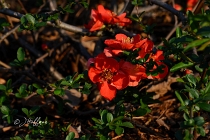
x,y
121,65
125,61
102,16
190,4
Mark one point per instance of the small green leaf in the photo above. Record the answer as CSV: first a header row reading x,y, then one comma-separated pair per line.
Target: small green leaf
x,y
96,120
20,54
9,84
22,88
5,110
199,121
119,130
36,85
189,123
204,106
59,91
109,117
193,93
178,32
30,19
25,110
191,78
200,130
40,91
127,124
181,65
139,112
207,89
179,98
180,80
204,31
33,110
195,43
2,87
70,136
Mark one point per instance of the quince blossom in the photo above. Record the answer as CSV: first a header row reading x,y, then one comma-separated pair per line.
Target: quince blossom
x,y
108,76
103,16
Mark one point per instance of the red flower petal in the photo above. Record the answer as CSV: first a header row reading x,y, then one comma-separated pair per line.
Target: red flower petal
x,y
106,15
102,62
120,80
158,56
107,90
94,75
120,37
94,25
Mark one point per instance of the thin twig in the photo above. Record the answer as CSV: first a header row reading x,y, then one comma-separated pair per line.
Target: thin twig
x,y
164,5
27,73
9,32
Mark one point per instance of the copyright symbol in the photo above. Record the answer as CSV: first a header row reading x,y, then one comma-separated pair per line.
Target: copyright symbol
x,y
16,122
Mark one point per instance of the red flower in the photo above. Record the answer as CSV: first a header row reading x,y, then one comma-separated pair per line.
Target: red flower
x,y
158,57
146,46
121,20
44,47
103,16
135,72
107,74
94,25
120,43
187,71
191,4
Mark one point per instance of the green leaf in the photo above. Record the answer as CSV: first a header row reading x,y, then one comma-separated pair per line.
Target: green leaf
x,y
204,31
59,91
20,54
198,68
191,78
112,126
33,110
22,88
194,93
189,123
178,32
9,84
3,23
199,121
70,136
119,130
5,110
179,98
65,83
2,87
109,117
200,130
127,124
86,88
204,106
195,44
103,116
182,39
181,65
207,89
16,138
2,99
25,110
36,85
96,120
30,19
180,80
139,112
40,91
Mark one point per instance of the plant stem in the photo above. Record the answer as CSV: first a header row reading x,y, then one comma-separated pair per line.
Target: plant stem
x,y
202,77
191,117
